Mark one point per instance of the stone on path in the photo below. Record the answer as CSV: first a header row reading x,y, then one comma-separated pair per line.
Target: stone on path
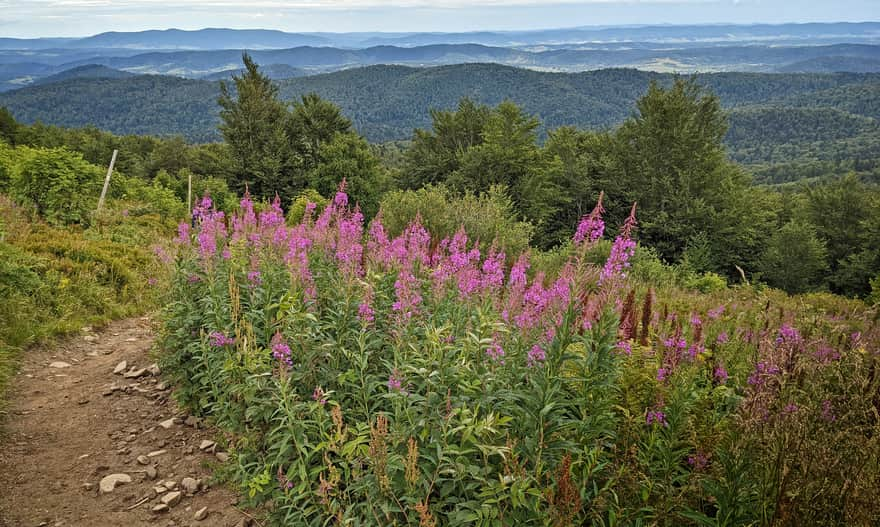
x,y
135,373
59,364
223,457
151,472
121,367
190,485
172,498
160,508
156,453
206,445
154,369
168,423
108,483
201,514
143,460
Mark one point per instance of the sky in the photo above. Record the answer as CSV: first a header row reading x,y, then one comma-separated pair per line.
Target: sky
x,y
44,18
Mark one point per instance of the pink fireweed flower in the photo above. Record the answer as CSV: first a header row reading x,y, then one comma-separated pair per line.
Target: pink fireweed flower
x,y
418,241
493,271
591,226
694,350
283,482
365,311
656,417
662,373
518,279
152,281
828,412
162,255
255,278
762,371
183,233
715,313
536,356
273,216
318,396
826,354
219,340
226,254
378,244
280,350
395,383
788,335
495,352
722,338
699,461
408,295
720,373
790,408
624,346
621,252
349,251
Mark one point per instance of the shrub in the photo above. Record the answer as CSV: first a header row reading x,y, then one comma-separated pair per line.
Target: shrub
x,y
62,186
795,258
487,218
298,208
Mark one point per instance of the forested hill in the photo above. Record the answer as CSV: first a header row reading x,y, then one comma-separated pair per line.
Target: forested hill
x,y
387,102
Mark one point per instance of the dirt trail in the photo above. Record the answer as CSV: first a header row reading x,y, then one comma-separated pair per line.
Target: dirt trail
x,y
73,421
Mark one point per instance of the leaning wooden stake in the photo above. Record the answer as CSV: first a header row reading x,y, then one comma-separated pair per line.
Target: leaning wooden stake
x,y
189,191
107,180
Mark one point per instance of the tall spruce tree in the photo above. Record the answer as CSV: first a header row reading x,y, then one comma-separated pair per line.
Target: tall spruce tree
x,y
253,125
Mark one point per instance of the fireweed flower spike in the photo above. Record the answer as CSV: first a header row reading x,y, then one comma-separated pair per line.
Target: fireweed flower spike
x,y
623,249
536,356
591,227
218,339
280,350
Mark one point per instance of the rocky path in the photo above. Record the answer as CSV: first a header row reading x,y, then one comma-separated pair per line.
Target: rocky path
x,y
93,438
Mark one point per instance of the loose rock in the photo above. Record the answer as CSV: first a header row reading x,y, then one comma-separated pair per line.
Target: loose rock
x,y
121,367
160,508
168,423
190,485
135,373
108,483
143,460
172,498
201,514
59,364
154,369
151,472
207,445
223,457
156,453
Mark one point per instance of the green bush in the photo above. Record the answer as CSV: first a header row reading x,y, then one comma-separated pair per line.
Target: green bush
x,y
298,208
706,282
488,218
62,186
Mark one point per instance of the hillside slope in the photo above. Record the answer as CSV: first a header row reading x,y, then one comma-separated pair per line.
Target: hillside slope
x,y
387,102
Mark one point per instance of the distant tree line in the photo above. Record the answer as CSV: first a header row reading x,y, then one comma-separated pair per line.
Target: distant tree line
x,y
697,208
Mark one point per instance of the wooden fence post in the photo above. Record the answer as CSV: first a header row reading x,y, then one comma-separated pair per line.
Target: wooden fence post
x,y
189,191
107,181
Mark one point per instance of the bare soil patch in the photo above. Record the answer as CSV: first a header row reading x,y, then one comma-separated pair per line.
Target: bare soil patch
x,y
73,421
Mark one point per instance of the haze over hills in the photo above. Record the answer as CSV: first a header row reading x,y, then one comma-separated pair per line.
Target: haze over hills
x,y
215,53
220,38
